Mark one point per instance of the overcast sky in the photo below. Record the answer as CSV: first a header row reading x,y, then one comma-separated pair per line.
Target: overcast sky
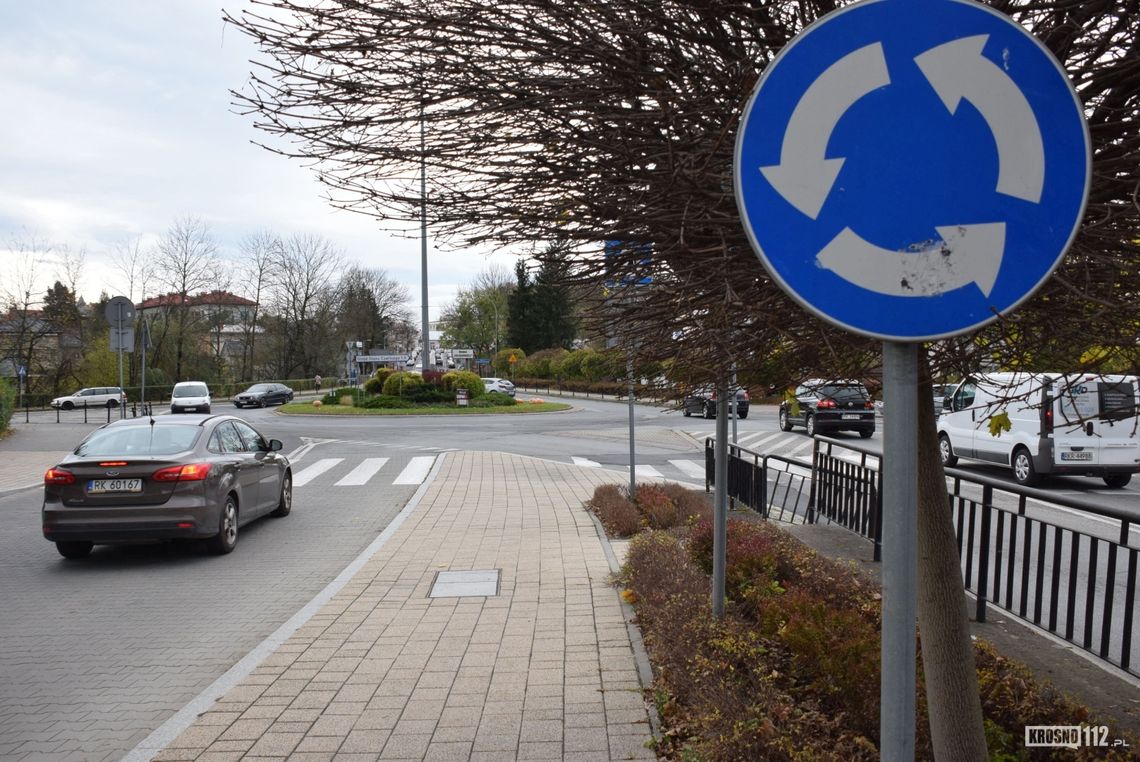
x,y
118,120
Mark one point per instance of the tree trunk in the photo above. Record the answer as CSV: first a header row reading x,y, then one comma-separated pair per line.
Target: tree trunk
x,y
955,709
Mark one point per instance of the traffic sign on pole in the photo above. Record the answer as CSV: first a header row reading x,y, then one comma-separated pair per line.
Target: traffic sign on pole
x,y
911,170
120,312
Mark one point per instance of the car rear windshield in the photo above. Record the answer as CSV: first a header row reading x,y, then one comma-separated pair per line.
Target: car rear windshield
x,y
193,390
139,441
843,392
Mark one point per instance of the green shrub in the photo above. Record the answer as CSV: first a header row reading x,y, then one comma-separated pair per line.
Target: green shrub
x,y
498,399
463,379
7,404
541,364
401,382
382,374
335,396
373,386
428,394
382,402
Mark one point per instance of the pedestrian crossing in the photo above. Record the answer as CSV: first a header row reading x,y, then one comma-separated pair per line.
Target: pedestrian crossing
x,y
367,471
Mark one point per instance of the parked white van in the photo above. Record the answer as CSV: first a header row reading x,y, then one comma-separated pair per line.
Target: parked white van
x,y
1081,424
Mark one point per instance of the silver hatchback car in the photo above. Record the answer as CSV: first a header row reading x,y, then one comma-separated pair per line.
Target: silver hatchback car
x,y
145,479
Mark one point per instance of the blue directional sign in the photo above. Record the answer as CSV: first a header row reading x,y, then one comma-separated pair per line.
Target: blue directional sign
x,y
911,169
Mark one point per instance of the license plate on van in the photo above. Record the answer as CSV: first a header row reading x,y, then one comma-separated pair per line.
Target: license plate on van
x,y
103,486
1076,456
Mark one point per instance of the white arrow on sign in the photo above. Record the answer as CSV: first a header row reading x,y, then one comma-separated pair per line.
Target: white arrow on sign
x,y
957,70
965,254
803,176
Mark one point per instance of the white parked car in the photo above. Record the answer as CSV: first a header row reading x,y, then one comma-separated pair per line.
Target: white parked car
x,y
498,385
95,396
190,397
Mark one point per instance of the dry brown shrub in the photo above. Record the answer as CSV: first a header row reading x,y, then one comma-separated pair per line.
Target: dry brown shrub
x,y
616,512
655,507
692,505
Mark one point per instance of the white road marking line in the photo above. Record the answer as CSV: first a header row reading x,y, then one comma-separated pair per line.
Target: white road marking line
x,y
362,473
416,470
586,462
764,439
690,468
647,471
312,472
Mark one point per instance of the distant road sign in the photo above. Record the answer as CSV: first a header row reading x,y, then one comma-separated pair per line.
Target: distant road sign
x,y
120,311
483,361
463,354
910,171
381,358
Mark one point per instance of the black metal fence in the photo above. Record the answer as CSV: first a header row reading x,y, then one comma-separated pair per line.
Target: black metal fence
x,y
1066,565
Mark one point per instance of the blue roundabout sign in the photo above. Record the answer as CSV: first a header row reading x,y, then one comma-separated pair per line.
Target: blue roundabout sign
x,y
912,169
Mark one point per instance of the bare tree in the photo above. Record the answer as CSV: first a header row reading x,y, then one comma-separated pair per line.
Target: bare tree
x,y
185,263
260,250
25,332
304,298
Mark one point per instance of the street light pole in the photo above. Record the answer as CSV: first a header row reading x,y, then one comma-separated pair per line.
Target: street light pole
x,y
424,324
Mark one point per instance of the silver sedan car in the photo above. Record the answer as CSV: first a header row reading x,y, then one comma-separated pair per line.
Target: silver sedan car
x,y
146,479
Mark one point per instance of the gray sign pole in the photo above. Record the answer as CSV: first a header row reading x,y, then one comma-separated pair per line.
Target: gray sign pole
x,y
119,328
732,403
720,500
900,553
632,448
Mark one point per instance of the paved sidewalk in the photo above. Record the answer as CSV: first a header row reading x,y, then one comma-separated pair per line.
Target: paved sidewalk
x,y
545,669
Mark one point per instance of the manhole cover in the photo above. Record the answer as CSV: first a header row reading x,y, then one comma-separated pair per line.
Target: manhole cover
x,y
459,584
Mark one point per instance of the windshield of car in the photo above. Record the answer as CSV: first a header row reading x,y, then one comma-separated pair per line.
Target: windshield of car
x,y
843,392
191,390
138,440
258,388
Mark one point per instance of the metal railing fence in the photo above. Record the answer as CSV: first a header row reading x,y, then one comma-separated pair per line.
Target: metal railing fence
x,y
1064,564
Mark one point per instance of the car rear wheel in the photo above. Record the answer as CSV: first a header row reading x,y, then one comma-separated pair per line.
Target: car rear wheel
x,y
74,548
112,403
809,424
226,538
1116,481
285,504
1023,471
709,411
686,412
785,420
742,415
946,451
866,433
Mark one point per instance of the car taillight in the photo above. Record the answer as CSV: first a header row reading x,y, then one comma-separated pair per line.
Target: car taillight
x,y
1049,418
869,405
826,404
745,393
191,472
58,476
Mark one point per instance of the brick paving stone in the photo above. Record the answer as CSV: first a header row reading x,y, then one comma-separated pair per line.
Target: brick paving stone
x,y
386,672
405,747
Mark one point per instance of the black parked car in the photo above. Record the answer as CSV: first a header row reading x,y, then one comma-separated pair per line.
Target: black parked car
x,y
702,401
260,395
823,406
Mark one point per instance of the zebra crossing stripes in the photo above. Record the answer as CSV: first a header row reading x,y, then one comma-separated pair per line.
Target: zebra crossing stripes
x,y
689,468
585,462
362,473
647,472
306,475
416,470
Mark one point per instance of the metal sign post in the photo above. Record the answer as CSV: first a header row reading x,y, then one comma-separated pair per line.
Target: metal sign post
x,y
720,498
910,229
632,447
120,313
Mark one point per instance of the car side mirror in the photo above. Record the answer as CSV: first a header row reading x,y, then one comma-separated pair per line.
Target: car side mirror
x,y
947,404
275,445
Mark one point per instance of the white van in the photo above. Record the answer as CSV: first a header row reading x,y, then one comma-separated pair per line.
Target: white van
x,y
1082,424
190,397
